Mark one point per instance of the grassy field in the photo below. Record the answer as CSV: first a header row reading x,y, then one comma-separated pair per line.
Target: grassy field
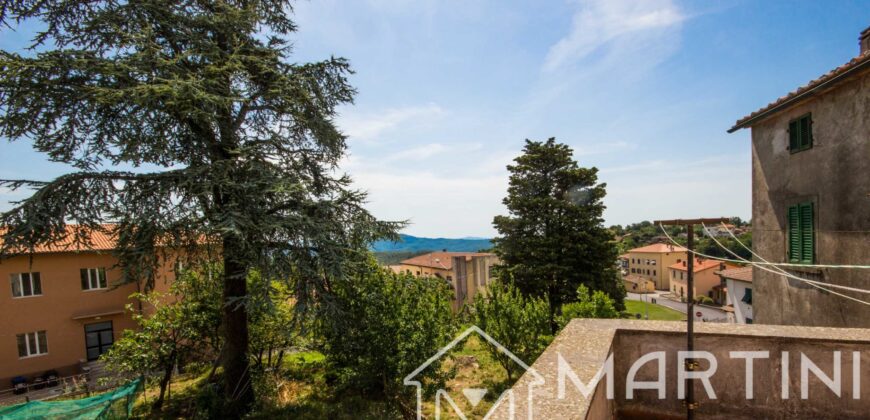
x,y
656,312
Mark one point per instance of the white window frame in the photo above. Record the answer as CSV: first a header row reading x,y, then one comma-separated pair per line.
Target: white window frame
x,y
41,347
94,276
19,279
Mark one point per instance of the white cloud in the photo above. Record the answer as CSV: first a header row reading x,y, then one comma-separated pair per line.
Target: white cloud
x,y
418,153
604,148
370,126
435,205
598,22
710,186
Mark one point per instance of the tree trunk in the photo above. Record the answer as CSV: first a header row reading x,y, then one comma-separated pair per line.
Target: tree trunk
x,y
237,384
164,382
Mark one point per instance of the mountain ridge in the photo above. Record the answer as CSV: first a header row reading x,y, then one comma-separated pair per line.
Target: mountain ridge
x,y
410,243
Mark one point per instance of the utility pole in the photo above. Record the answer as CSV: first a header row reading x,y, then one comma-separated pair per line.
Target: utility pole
x,y
691,364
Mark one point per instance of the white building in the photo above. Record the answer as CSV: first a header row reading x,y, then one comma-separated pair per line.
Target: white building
x,y
738,287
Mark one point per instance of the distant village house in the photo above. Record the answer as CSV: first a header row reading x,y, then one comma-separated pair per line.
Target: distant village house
x,y
467,272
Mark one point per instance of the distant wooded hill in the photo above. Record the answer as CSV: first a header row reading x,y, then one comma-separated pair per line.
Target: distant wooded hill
x,y
415,244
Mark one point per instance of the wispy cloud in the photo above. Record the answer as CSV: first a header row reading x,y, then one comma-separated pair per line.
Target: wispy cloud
x,y
369,126
418,153
604,148
599,22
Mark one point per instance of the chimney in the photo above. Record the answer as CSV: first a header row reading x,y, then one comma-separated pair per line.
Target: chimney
x,y
864,40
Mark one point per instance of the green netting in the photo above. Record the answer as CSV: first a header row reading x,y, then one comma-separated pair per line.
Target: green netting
x,y
117,404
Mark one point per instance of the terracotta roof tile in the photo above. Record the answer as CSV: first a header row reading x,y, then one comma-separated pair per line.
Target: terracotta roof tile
x,y
861,61
441,260
700,265
100,241
658,248
742,273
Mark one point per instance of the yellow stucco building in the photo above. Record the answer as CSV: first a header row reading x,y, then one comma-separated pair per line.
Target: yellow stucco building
x,y
651,263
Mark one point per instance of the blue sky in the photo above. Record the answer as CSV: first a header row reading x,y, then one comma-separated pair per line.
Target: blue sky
x,y
642,89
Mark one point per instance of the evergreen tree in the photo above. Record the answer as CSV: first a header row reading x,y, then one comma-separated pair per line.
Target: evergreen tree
x,y
554,239
190,130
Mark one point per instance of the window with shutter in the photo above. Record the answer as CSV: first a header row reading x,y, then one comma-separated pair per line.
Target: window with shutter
x,y
801,233
800,133
807,233
794,235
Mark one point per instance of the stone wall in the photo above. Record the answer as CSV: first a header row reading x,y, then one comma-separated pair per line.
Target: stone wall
x,y
835,175
585,344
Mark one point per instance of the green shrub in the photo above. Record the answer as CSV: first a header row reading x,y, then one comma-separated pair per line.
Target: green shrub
x,y
703,299
519,323
183,326
595,305
386,326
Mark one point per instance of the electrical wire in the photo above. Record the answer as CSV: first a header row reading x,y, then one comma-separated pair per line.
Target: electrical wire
x,y
778,269
786,274
744,261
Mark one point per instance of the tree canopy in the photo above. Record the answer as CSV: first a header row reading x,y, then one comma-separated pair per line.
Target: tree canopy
x,y
191,131
554,240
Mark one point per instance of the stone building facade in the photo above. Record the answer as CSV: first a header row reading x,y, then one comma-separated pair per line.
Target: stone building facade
x,y
811,197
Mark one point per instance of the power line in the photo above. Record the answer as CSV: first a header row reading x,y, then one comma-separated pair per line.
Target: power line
x,y
810,282
782,272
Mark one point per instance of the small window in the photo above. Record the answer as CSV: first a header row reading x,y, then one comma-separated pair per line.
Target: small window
x,y
801,235
800,133
93,278
747,297
25,284
32,344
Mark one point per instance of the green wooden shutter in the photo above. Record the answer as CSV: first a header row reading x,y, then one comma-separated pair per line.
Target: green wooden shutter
x,y
794,234
84,274
793,136
807,238
806,133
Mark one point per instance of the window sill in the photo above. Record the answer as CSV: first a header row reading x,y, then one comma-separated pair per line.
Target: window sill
x,y
95,290
26,297
32,356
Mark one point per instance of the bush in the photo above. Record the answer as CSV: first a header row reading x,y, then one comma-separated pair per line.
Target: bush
x,y
184,326
596,305
706,300
386,326
519,323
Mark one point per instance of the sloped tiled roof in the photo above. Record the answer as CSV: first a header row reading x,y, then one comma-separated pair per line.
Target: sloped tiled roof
x,y
441,260
700,265
104,240
861,62
742,273
659,248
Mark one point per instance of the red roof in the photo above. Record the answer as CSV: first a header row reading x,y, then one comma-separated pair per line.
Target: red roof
x,y
658,248
742,273
700,265
441,260
854,66
100,240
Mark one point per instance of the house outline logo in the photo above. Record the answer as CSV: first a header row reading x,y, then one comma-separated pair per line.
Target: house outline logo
x,y
441,393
